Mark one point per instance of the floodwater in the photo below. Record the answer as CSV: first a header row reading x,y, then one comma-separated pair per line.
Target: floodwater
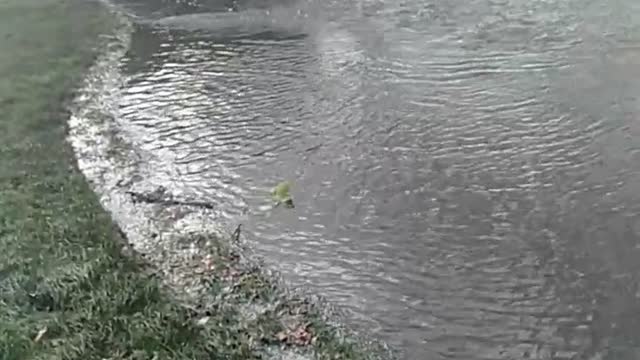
x,y
466,173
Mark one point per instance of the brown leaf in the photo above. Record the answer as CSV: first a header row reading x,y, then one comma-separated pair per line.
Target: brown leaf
x,y
302,335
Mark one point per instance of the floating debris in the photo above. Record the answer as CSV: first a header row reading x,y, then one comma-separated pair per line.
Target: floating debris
x,y
281,194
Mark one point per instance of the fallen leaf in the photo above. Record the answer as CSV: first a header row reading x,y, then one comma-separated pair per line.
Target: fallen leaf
x,y
281,194
302,335
281,191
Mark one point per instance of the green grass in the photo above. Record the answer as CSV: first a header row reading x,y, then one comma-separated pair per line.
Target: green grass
x,y
62,266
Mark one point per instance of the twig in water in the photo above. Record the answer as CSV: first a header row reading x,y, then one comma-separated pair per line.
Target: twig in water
x,y
236,233
155,199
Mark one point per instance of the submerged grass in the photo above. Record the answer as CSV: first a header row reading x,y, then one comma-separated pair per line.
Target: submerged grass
x,y
66,289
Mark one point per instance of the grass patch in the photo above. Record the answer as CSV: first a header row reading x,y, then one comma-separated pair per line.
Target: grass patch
x,y
61,266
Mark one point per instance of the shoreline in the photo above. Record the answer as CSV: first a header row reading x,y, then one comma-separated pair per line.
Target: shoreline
x,y
167,285
196,255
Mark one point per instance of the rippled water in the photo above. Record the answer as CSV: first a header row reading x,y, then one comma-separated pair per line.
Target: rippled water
x,y
466,174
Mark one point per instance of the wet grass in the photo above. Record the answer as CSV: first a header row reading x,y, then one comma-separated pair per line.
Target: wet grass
x,y
66,289
62,271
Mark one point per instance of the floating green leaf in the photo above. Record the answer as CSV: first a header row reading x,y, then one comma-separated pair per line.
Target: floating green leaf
x,y
281,194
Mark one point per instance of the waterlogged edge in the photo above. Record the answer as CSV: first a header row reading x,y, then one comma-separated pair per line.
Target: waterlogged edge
x,y
206,267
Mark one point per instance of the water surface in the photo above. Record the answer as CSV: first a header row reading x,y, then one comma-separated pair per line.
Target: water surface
x,y
467,175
